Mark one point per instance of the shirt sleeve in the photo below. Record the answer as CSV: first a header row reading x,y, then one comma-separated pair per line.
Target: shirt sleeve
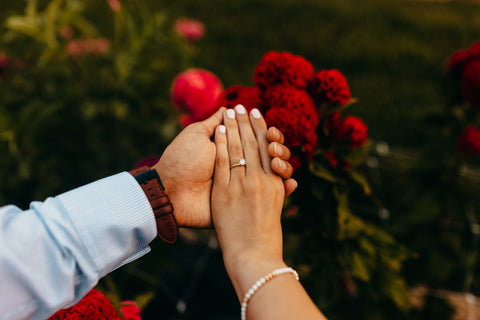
x,y
52,254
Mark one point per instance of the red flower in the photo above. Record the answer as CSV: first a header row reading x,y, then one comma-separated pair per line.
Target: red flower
x,y
331,86
461,58
248,96
299,132
195,93
331,158
115,5
283,67
189,29
470,83
351,130
130,310
296,161
99,46
148,161
93,306
354,131
465,64
4,65
469,141
281,96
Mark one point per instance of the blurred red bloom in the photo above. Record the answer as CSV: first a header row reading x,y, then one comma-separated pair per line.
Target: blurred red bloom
x,y
93,306
4,65
115,5
351,130
331,86
98,46
148,161
130,310
66,32
189,29
470,83
469,141
283,67
195,93
331,158
248,96
354,131
465,65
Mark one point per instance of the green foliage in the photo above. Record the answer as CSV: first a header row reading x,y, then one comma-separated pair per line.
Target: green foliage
x,y
70,117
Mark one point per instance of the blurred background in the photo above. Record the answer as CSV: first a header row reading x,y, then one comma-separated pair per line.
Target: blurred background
x,y
85,92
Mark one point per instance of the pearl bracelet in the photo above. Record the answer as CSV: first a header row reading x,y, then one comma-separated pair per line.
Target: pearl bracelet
x,y
260,283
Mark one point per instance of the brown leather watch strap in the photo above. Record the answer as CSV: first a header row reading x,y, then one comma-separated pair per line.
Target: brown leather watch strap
x,y
167,228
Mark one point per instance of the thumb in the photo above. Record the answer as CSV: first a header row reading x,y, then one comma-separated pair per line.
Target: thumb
x,y
214,121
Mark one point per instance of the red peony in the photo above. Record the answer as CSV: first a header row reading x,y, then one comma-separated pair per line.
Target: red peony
x,y
93,306
469,141
130,310
331,86
195,93
465,65
283,67
250,97
189,29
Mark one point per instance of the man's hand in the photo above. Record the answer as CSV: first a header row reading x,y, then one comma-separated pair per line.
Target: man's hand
x,y
186,169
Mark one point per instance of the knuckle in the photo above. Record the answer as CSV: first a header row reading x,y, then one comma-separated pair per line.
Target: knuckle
x,y
236,150
251,143
222,160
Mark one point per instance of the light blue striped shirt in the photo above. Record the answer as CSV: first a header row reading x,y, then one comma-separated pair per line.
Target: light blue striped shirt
x,y
52,254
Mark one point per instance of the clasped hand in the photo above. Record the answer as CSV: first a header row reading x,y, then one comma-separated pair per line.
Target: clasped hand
x,y
187,165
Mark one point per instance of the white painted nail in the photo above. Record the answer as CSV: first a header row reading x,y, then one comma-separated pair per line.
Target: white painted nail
x,y
256,114
222,128
231,114
240,109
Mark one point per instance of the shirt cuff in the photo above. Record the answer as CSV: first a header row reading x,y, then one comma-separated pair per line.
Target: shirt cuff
x,y
113,218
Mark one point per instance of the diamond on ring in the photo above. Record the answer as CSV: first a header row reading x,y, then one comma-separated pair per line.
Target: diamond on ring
x,y
240,162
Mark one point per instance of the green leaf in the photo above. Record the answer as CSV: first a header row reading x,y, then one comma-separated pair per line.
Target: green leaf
x,y
359,268
144,299
320,171
357,156
26,26
349,225
362,181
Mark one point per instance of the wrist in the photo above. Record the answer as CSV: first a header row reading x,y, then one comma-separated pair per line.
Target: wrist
x,y
246,268
152,186
170,186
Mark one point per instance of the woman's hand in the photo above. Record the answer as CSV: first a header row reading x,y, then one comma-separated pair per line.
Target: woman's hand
x,y
246,200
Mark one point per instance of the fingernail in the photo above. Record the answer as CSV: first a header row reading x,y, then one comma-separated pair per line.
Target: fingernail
x,y
278,151
275,133
256,114
240,109
282,164
231,114
221,128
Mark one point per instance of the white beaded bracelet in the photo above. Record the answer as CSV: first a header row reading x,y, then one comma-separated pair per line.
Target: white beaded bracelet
x,y
260,283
